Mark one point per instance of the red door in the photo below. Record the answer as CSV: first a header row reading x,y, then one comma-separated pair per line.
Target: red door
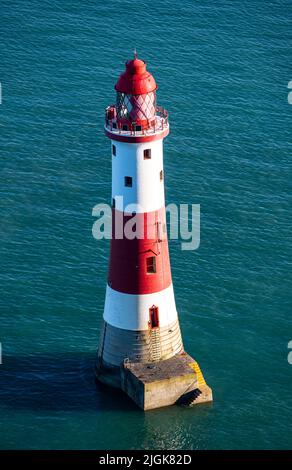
x,y
153,317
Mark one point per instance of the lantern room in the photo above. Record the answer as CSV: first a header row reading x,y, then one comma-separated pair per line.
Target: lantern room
x,y
136,96
136,109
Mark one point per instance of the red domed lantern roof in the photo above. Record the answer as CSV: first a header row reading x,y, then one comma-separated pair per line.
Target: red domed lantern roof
x,y
136,80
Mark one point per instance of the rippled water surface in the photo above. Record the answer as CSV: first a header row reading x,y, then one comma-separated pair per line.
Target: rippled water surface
x,y
222,69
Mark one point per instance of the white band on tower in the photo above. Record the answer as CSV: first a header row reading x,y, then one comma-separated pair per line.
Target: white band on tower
x,y
143,163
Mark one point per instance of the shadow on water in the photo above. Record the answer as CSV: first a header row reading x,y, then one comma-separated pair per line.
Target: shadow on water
x,y
64,382
57,381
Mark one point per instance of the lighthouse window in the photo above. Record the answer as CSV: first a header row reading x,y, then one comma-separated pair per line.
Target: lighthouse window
x,y
147,154
125,127
161,175
151,264
128,181
114,150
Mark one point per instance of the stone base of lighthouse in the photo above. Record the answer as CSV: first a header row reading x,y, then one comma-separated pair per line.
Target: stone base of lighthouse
x,y
177,380
156,373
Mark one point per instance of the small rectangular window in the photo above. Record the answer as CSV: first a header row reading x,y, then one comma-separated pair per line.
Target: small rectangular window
x,y
147,154
125,127
138,128
151,264
128,181
114,125
114,150
161,175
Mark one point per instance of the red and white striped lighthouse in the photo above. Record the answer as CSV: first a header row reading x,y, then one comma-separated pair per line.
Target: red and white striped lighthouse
x,y
140,321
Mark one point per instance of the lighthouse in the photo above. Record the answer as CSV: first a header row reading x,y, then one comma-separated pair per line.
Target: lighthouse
x,y
141,349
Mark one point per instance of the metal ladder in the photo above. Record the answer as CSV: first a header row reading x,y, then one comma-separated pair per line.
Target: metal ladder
x,y
155,345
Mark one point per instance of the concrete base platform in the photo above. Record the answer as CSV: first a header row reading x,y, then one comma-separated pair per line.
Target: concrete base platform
x,y
177,380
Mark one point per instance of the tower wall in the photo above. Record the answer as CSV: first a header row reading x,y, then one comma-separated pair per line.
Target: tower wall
x,y
131,311
147,191
131,290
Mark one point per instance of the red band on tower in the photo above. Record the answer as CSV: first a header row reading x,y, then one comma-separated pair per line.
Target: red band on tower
x,y
140,265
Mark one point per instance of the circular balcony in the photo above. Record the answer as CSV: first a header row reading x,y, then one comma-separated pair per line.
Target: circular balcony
x,y
132,130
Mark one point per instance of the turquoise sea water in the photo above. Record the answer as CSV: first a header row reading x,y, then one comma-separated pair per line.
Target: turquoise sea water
x,y
222,69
